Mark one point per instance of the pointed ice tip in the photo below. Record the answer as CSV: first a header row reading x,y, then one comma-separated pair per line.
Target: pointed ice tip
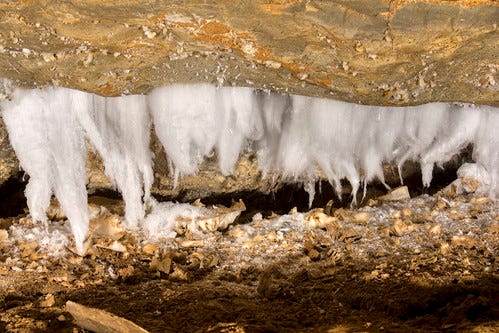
x,y
81,248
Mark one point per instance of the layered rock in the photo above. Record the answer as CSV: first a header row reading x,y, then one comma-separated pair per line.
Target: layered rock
x,y
372,52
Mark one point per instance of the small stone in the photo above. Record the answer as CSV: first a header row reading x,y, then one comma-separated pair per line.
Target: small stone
x,y
314,255
481,200
406,212
401,227
179,274
4,270
494,228
48,302
436,230
469,185
463,240
237,232
126,272
444,248
150,34
164,265
328,209
150,248
318,219
96,320
191,243
453,214
4,235
397,194
361,217
114,246
88,61
107,226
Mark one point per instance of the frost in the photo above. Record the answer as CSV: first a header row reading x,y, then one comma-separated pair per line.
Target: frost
x,y
164,218
119,128
187,127
296,137
48,141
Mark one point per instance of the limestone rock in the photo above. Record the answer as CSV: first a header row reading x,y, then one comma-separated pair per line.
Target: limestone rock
x,y
368,51
100,321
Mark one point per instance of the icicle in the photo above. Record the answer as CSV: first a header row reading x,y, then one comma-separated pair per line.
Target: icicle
x,y
185,122
239,120
50,147
274,108
293,156
421,126
454,135
486,149
294,136
119,128
309,187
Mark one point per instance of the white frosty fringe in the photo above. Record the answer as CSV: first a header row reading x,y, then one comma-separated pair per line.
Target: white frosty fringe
x,y
119,129
292,136
49,144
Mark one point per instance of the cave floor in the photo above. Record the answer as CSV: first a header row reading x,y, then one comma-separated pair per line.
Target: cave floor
x,y
427,264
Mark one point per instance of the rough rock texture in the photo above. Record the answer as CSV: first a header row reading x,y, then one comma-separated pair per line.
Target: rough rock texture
x,y
209,181
368,51
9,165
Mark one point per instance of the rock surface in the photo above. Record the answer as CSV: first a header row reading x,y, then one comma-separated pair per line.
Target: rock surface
x,y
9,164
376,52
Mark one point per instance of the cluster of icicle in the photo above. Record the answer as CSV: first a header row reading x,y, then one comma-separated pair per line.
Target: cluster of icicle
x,y
290,134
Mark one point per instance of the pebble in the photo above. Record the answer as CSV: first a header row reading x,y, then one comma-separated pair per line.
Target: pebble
x,y
318,219
4,235
48,302
463,240
397,194
150,248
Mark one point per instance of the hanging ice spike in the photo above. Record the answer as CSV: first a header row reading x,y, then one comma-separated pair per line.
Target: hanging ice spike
x,y
291,136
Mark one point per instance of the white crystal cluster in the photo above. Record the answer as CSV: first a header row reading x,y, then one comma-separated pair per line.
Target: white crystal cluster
x,y
292,135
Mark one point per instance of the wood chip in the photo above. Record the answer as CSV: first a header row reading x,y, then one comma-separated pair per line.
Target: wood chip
x,y
100,321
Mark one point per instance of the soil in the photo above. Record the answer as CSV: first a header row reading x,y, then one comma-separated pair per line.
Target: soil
x,y
426,264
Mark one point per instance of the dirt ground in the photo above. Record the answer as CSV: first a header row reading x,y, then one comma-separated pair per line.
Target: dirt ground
x,y
426,264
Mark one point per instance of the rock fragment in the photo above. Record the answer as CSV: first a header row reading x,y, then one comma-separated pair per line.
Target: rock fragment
x,y
100,321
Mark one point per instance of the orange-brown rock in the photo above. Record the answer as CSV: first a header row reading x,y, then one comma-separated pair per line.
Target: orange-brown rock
x,y
368,51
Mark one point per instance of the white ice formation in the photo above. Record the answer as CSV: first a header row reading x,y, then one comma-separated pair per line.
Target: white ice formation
x,y
292,136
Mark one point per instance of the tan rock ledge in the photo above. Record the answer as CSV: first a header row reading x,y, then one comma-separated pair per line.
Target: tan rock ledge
x,y
365,51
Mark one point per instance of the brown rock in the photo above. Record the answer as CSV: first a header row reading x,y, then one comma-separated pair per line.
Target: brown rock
x,y
100,321
48,302
373,51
